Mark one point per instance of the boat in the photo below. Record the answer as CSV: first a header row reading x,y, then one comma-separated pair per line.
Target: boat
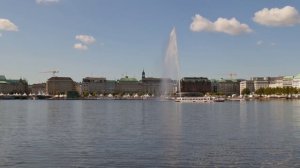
x,y
205,99
237,99
219,99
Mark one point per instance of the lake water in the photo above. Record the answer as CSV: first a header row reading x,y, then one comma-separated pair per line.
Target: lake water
x,y
99,133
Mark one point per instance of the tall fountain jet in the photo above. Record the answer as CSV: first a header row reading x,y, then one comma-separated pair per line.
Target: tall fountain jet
x,y
171,65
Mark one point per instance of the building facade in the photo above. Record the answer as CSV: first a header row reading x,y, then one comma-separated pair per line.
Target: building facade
x,y
260,82
287,81
229,87
128,85
11,86
151,86
249,84
60,85
93,85
195,86
38,88
296,81
276,82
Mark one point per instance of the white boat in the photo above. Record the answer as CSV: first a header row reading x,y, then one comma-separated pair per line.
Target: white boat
x,y
194,99
237,99
219,99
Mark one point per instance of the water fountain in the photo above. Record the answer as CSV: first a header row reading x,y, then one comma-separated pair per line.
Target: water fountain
x,y
171,66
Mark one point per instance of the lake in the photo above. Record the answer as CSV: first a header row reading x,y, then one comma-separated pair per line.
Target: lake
x,y
123,133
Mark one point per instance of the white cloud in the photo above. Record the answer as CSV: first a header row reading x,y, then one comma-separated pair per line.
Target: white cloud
x,y
286,16
265,44
259,42
47,2
7,25
80,46
223,25
201,24
86,39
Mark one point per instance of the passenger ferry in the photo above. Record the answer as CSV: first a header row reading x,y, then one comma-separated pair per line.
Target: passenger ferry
x,y
195,99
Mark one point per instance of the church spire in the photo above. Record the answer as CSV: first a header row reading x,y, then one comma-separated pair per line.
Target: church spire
x,y
143,74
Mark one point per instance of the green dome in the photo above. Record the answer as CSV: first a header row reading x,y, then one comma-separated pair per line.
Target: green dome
x,y
2,78
297,76
127,79
288,77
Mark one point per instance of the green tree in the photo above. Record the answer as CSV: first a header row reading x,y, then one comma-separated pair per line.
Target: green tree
x,y
85,94
260,91
246,91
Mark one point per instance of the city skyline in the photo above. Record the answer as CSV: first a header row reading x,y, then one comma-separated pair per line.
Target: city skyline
x,y
113,38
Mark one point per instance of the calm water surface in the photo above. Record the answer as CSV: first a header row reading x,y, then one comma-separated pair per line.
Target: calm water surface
x,y
149,134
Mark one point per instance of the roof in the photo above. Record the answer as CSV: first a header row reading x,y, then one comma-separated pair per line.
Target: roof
x,y
195,79
288,77
60,78
127,79
95,78
152,79
12,81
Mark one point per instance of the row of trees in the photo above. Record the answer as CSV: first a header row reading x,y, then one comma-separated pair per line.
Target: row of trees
x,y
273,91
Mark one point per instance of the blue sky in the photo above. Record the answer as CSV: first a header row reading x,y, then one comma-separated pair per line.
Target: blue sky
x,y
119,37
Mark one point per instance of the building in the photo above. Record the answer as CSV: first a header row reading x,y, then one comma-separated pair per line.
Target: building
x,y
247,84
110,86
60,85
11,86
260,82
276,82
38,89
195,86
151,85
128,85
296,81
229,86
93,85
214,85
287,81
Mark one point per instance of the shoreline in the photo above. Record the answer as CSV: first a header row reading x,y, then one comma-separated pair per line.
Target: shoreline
x,y
263,98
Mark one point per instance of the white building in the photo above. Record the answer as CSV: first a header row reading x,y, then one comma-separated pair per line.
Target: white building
x,y
276,82
246,84
260,82
287,81
93,85
296,81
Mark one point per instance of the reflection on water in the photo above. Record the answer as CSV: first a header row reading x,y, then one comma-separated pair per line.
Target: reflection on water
x,y
149,134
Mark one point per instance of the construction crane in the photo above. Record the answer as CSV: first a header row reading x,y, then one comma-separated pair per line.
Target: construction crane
x,y
231,75
53,72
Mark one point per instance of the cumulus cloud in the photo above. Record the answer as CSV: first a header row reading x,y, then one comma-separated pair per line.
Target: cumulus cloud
x,y
46,2
286,16
7,25
229,26
80,46
86,39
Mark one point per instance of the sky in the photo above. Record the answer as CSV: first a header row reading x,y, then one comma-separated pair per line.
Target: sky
x,y
114,38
